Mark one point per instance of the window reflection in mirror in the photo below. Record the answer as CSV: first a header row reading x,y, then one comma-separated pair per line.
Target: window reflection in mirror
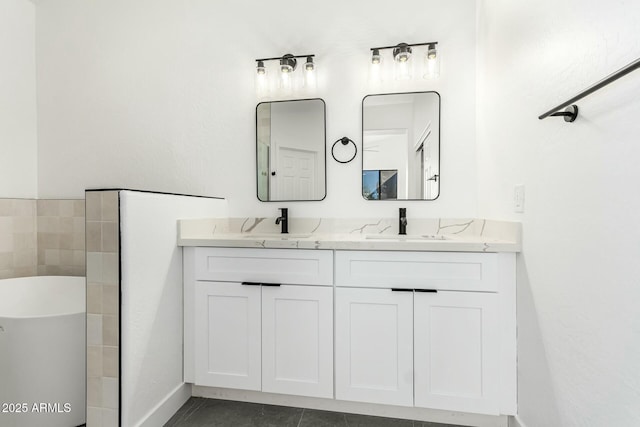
x,y
291,150
401,146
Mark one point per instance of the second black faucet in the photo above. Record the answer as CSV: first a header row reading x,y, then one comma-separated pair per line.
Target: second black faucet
x,y
283,219
402,221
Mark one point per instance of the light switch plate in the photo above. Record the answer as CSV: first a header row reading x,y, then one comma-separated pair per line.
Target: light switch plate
x,y
518,198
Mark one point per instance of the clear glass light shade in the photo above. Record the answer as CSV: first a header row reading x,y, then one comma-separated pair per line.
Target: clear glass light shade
x,y
309,65
286,82
375,68
310,73
287,67
375,73
262,81
403,63
403,68
310,80
431,67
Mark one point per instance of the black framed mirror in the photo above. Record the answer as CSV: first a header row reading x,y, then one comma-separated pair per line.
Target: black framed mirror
x,y
401,146
291,150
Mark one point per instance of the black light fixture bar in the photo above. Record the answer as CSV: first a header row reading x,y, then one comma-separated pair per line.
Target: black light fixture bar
x,y
571,112
287,55
406,44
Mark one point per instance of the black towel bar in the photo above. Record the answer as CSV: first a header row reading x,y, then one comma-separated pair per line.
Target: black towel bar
x,y
571,112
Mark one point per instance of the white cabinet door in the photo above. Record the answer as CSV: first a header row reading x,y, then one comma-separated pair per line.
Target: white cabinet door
x,y
227,335
297,340
374,346
457,350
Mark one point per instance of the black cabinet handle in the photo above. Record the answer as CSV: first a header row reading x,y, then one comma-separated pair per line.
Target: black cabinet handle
x,y
435,291
260,284
401,290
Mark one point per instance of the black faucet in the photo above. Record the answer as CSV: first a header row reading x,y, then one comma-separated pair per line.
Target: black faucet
x,y
284,219
402,221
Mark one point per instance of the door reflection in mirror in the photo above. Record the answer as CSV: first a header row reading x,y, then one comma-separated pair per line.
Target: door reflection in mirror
x,y
401,146
291,150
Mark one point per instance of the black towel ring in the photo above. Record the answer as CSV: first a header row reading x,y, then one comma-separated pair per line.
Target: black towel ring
x,y
344,140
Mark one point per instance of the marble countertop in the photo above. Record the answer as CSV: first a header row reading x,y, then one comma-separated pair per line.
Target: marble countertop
x,y
446,235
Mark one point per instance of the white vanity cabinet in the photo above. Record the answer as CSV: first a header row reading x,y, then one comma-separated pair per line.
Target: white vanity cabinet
x,y
262,320
423,329
415,329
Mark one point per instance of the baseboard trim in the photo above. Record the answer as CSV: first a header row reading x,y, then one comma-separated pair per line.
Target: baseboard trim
x,y
410,413
515,421
164,410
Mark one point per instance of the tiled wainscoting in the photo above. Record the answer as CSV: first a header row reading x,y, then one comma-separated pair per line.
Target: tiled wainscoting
x,y
18,252
41,238
103,306
60,227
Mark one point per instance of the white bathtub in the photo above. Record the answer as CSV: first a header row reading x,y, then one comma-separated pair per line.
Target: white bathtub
x,y
42,352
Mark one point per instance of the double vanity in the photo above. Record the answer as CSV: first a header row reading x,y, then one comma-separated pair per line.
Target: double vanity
x,y
346,314
349,311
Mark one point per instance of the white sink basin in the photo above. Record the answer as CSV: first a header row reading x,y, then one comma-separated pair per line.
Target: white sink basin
x,y
405,237
275,236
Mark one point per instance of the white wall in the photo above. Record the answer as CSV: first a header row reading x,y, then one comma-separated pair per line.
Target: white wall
x,y
18,135
152,306
578,317
159,94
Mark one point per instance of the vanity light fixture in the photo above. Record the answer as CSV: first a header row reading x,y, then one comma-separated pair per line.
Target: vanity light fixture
x,y
288,79
403,61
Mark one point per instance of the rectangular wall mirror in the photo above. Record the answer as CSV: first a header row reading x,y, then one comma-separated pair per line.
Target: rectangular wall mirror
x,y
291,150
401,146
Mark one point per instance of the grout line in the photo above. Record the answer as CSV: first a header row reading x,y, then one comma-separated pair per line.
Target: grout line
x,y
195,406
300,420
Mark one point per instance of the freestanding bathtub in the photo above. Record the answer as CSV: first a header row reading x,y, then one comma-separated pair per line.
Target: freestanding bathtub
x,y
42,352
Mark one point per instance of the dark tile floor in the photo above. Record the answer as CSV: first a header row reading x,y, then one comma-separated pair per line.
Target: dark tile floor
x,y
199,412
